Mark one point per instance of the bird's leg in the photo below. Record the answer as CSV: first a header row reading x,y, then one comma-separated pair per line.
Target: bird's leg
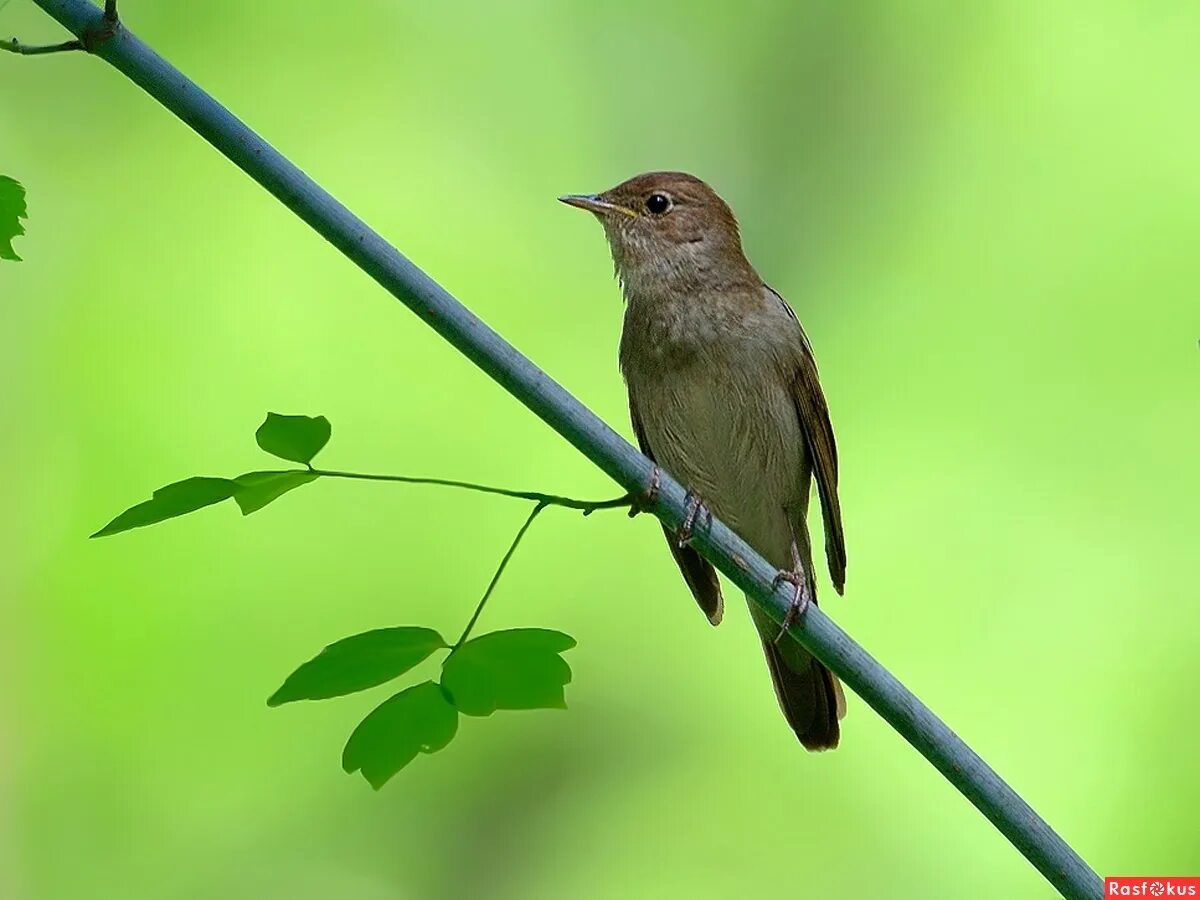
x,y
802,596
643,502
695,507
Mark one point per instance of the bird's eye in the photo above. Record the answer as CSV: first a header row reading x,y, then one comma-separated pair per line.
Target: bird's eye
x,y
658,204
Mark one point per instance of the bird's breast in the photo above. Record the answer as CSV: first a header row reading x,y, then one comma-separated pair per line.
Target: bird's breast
x,y
716,408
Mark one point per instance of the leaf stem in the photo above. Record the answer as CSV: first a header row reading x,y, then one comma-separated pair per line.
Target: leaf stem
x,y
14,46
543,500
537,509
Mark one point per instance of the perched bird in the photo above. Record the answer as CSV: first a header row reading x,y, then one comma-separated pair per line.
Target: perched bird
x,y
724,394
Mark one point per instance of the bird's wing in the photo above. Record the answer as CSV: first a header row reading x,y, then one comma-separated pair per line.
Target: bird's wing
x,y
699,574
822,449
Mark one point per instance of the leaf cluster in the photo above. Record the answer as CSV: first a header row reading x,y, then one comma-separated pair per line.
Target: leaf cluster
x,y
294,438
515,669
12,211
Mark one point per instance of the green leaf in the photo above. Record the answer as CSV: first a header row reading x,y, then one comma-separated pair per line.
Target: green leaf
x,y
12,210
418,720
176,499
517,669
257,489
357,663
295,438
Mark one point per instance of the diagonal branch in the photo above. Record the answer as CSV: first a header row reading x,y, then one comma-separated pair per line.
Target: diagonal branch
x,y
960,765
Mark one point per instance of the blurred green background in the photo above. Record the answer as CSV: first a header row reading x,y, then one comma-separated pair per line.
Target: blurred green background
x,y
987,216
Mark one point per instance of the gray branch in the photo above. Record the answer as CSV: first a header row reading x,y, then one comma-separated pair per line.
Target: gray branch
x,y
961,766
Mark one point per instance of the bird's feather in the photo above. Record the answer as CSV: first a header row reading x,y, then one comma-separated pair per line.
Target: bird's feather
x,y
822,450
697,572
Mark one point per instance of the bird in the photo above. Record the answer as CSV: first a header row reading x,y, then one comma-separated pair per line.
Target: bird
x,y
724,394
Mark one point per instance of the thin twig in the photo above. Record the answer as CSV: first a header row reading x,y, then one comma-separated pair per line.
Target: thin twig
x,y
14,46
537,509
110,10
586,506
541,502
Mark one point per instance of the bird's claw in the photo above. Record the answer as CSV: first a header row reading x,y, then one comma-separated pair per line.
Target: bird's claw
x,y
647,499
694,507
800,599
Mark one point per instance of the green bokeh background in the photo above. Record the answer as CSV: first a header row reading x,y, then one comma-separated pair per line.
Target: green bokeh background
x,y
987,216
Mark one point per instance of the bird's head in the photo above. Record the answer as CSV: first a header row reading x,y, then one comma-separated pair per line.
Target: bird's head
x,y
667,230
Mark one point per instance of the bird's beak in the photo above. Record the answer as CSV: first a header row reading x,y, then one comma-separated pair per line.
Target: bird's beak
x,y
593,203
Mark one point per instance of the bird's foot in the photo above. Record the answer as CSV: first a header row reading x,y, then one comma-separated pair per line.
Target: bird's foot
x,y
800,599
640,503
696,511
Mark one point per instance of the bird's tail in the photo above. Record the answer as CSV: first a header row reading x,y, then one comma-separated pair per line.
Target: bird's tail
x,y
809,694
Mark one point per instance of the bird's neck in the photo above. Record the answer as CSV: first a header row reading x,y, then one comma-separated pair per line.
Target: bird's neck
x,y
678,320
688,272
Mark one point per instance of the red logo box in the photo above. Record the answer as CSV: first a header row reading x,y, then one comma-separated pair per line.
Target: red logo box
x,y
1151,886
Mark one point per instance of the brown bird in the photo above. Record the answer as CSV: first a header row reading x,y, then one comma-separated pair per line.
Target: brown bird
x,y
724,394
